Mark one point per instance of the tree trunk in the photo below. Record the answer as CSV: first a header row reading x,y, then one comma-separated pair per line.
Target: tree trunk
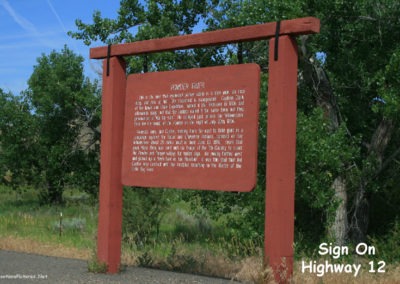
x,y
315,76
339,228
360,215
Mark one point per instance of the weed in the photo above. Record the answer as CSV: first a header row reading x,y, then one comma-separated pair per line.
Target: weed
x,y
145,260
253,270
184,263
97,266
70,224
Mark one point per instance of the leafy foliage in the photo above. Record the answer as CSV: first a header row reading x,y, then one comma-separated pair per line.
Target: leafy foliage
x,y
321,156
359,58
154,19
388,246
62,101
142,213
48,134
17,141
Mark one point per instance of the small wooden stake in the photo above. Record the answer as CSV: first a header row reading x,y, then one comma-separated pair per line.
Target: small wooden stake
x,y
61,223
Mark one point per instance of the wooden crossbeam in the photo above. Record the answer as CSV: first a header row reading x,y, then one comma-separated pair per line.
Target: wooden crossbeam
x,y
308,25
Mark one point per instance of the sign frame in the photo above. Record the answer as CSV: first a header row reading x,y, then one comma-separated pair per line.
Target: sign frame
x,y
281,140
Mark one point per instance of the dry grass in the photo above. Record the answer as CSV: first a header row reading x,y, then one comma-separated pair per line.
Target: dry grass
x,y
391,276
248,270
30,246
252,272
128,258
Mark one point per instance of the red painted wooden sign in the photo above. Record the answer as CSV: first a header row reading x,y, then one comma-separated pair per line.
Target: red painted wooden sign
x,y
192,129
198,129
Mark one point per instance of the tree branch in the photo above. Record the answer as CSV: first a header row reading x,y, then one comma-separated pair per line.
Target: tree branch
x,y
387,162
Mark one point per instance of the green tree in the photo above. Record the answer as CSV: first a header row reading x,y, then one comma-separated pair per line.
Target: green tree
x,y
63,102
17,141
354,86
348,98
135,22
153,19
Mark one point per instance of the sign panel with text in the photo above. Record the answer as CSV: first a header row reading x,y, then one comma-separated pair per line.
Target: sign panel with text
x,y
192,129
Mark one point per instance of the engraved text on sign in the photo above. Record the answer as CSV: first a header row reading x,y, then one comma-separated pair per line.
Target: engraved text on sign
x,y
192,128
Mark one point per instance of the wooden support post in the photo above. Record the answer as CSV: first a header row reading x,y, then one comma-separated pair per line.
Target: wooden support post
x,y
110,199
281,157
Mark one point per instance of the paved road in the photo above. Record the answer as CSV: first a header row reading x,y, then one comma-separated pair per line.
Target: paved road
x,y
23,268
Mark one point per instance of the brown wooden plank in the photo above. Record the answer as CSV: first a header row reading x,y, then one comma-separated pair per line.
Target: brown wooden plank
x,y
299,26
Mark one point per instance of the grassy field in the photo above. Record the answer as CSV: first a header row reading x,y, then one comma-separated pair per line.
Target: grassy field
x,y
21,216
26,226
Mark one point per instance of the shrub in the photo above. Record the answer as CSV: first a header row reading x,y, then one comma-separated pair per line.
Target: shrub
x,y
142,213
70,224
388,247
192,228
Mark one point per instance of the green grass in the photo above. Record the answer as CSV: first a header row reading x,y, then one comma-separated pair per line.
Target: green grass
x,y
22,216
185,248
186,242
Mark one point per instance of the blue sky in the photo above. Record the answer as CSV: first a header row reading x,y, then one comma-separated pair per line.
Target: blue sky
x,y
29,28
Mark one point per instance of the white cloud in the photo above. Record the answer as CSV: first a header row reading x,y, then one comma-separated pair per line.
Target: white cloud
x,y
24,35
53,10
61,23
33,35
21,21
29,28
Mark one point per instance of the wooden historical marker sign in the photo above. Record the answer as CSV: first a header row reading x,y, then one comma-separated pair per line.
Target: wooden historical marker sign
x,y
192,129
198,129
